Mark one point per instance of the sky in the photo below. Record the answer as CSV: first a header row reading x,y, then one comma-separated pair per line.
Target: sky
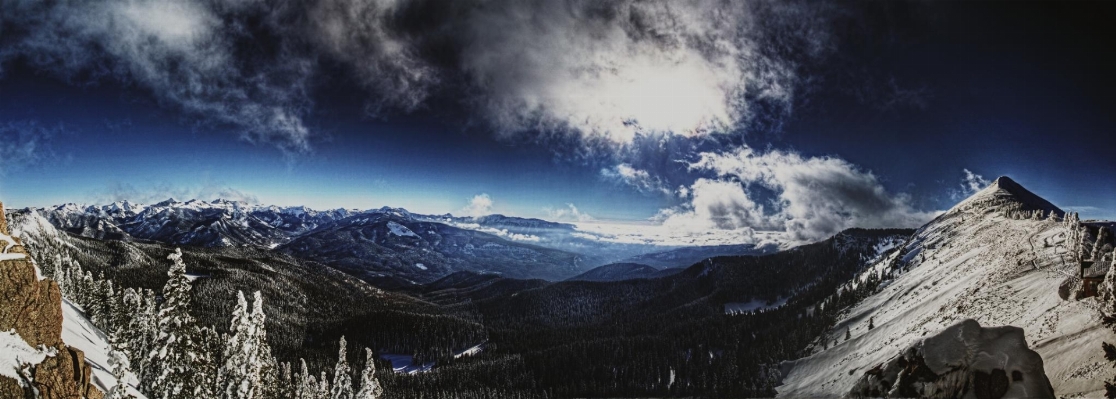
x,y
698,117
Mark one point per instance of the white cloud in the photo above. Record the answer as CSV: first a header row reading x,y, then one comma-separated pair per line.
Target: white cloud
x,y
615,69
359,34
570,213
650,233
603,70
811,197
183,52
638,178
479,205
973,182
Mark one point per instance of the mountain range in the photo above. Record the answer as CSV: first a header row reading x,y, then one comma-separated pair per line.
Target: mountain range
x,y
990,298
389,246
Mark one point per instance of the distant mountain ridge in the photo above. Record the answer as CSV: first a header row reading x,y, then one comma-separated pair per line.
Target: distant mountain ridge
x,y
623,271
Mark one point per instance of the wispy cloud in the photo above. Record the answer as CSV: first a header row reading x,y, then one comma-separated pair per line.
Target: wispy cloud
x,y
208,190
970,184
26,144
184,53
569,213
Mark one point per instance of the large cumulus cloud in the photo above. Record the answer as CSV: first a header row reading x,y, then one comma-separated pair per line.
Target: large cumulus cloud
x,y
807,197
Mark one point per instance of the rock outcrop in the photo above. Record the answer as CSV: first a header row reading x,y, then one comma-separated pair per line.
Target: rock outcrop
x,y
963,361
32,307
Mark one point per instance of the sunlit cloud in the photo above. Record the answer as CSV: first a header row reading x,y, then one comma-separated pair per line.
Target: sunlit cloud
x,y
569,213
479,205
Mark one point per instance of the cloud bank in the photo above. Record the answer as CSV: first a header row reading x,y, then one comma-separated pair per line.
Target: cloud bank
x,y
604,69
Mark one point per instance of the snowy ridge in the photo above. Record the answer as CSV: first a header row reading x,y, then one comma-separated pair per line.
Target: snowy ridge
x,y
973,262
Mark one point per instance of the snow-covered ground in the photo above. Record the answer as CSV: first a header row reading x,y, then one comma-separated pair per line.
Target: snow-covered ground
x,y
470,351
753,305
405,364
79,333
971,262
16,356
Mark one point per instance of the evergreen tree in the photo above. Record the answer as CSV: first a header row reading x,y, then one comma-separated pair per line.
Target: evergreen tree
x,y
871,323
209,361
369,386
305,385
286,389
118,361
268,366
342,380
174,355
249,370
323,387
237,377
848,334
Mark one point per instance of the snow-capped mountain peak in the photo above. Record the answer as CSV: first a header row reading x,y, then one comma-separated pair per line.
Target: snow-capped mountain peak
x,y
987,259
1006,192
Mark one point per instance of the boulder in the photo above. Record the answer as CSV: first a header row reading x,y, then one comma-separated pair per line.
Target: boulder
x,y
962,361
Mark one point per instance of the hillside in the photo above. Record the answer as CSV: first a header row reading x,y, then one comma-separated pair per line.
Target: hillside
x,y
989,259
623,271
397,245
309,304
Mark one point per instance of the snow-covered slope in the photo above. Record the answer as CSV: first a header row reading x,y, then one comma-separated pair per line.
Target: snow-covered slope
x,y
79,332
977,262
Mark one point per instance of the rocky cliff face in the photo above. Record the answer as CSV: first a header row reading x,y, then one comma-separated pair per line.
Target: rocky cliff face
x,y
32,308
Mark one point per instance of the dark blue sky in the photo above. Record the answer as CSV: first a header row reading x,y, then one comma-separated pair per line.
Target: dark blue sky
x,y
912,92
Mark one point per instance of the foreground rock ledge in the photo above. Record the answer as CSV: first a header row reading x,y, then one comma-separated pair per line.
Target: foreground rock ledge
x,y
33,308
964,360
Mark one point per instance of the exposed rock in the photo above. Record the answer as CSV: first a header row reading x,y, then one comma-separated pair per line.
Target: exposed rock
x,y
33,308
962,361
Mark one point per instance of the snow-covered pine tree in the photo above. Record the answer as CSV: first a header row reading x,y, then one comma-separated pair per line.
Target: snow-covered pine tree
x,y
145,326
118,361
1098,245
305,386
268,366
369,386
286,389
237,378
323,387
249,370
174,354
88,292
209,361
342,380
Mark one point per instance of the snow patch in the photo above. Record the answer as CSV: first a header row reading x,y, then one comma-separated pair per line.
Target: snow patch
x,y
17,357
754,305
400,230
12,257
471,351
405,364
